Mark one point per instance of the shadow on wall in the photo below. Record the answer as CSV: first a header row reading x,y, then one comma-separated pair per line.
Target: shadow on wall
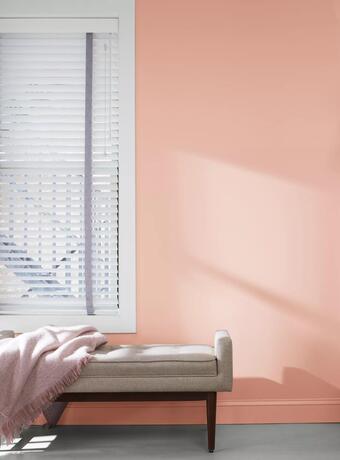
x,y
300,398
298,309
296,384
317,350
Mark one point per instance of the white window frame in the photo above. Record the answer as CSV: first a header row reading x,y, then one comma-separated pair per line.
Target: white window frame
x,y
97,15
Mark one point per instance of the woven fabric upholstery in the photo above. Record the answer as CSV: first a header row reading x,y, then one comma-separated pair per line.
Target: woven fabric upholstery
x,y
6,334
159,368
152,361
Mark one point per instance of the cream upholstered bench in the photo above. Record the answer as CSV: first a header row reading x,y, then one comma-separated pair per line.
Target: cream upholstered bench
x,y
154,373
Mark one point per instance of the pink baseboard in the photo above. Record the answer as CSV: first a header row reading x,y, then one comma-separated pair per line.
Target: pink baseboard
x,y
228,412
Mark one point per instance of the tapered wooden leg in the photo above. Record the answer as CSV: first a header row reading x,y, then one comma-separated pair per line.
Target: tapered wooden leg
x,y
54,412
211,419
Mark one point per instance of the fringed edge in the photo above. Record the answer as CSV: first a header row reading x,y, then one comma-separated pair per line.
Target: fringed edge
x,y
25,416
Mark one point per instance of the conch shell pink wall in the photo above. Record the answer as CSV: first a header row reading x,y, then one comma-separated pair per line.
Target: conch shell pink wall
x,y
238,201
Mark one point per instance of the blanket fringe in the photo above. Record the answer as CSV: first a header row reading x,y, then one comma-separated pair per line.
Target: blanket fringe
x,y
13,426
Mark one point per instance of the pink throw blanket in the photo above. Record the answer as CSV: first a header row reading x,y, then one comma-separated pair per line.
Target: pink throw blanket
x,y
35,368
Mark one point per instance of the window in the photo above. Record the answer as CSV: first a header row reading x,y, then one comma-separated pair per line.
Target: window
x,y
66,173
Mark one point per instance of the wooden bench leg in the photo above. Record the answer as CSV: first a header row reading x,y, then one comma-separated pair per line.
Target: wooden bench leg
x,y
211,419
54,412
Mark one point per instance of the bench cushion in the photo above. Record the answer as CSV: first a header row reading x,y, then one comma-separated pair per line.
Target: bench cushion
x,y
151,361
163,368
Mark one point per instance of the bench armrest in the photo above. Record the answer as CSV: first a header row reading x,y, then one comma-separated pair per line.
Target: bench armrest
x,y
224,357
6,334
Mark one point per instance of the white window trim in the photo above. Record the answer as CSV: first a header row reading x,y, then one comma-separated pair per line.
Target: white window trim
x,y
14,18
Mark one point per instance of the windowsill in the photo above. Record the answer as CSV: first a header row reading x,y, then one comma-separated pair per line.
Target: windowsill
x,y
115,323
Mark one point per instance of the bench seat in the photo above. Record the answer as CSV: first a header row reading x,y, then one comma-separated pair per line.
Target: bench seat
x,y
154,373
158,368
110,362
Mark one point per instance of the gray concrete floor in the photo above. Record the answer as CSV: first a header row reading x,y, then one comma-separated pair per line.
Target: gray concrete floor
x,y
233,442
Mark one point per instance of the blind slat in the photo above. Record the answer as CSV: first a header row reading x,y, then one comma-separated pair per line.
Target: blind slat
x,y
42,154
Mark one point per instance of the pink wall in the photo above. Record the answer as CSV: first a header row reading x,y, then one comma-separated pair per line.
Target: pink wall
x,y
238,201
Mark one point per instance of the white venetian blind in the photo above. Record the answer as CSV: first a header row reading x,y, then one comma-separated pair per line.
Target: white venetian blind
x,y
59,173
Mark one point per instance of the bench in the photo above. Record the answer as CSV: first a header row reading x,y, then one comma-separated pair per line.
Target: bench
x,y
154,373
